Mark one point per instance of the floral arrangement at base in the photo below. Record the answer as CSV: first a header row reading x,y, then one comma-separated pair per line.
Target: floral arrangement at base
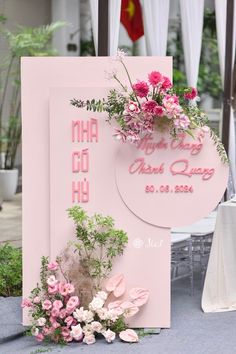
x,y
149,105
57,315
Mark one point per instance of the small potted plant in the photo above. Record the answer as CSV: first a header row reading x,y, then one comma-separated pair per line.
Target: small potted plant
x,y
24,42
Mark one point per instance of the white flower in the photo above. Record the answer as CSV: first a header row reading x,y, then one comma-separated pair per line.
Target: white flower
x,y
76,332
41,321
83,315
34,331
120,54
51,281
112,315
87,329
96,326
110,75
102,295
102,313
89,339
109,335
96,303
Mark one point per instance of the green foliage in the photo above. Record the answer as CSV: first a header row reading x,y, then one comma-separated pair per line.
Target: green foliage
x,y
10,271
209,80
42,350
98,242
24,42
219,147
119,325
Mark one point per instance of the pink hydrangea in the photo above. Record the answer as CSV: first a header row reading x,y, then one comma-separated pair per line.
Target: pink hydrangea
x,y
47,305
149,106
191,95
155,78
53,266
182,122
141,89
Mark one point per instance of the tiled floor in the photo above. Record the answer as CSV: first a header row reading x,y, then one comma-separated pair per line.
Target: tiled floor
x,y
10,222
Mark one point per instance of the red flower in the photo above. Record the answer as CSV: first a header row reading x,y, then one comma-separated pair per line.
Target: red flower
x,y
166,84
155,77
159,111
191,95
149,106
141,89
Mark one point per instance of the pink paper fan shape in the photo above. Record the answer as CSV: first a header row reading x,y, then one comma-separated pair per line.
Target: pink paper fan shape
x,y
116,284
129,335
139,296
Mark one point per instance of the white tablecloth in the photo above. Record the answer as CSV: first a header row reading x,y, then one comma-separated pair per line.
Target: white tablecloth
x,y
203,226
219,293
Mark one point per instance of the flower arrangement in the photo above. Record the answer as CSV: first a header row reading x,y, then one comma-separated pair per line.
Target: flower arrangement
x,y
57,315
98,242
153,104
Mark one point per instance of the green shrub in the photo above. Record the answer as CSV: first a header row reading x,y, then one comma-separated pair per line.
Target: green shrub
x,y
10,270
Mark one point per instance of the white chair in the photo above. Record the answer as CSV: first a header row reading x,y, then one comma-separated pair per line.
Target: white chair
x,y
181,258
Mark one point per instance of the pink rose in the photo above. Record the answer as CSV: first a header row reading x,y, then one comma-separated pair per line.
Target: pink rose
x,y
52,281
70,288
56,325
73,301
65,331
149,106
63,289
40,337
36,300
62,313
52,290
53,266
69,320
57,304
55,312
191,95
141,89
159,111
26,303
47,305
129,335
109,335
155,78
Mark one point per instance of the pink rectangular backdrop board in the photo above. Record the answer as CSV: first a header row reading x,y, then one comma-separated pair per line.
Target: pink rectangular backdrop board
x,y
38,76
146,260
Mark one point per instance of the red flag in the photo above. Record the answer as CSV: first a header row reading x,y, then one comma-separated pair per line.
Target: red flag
x,y
131,18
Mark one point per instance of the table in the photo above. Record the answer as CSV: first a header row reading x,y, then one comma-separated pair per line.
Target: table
x,y
201,227
219,293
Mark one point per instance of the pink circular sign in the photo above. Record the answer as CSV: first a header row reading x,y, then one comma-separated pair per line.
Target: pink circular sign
x,y
168,182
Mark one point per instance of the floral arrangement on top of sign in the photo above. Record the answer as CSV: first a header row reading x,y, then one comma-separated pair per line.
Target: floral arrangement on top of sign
x,y
56,306
151,105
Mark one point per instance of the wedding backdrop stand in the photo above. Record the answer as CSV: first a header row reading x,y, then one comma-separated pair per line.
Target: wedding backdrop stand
x,y
144,201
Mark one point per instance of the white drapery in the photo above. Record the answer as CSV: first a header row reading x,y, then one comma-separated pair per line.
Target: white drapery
x,y
192,13
113,26
221,9
156,16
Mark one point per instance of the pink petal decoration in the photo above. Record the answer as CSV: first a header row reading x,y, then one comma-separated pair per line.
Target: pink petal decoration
x,y
130,309
114,304
139,296
116,284
129,335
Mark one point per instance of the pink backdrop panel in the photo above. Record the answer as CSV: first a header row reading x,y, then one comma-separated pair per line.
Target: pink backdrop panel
x,y
38,75
146,261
